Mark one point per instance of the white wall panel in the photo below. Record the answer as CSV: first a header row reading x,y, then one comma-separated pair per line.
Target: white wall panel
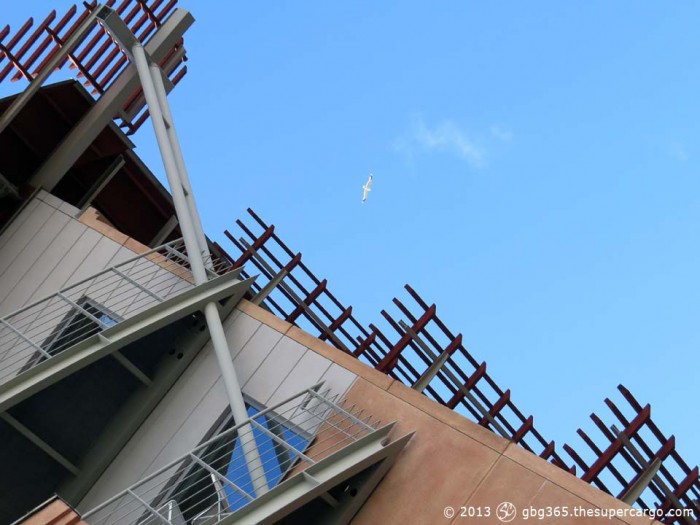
x,y
18,222
338,379
40,270
16,244
274,369
30,220
98,259
45,248
270,365
307,372
254,352
31,256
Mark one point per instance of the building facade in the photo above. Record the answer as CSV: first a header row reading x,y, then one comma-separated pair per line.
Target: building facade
x,y
113,408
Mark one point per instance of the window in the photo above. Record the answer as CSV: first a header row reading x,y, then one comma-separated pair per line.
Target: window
x,y
201,496
79,324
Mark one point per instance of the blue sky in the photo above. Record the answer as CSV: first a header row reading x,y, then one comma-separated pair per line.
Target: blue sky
x,y
535,167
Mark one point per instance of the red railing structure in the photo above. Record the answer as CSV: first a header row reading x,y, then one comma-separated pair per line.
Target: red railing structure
x,y
97,59
636,462
415,347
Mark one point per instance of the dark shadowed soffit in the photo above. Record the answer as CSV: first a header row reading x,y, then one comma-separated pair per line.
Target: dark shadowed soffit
x,y
134,201
71,414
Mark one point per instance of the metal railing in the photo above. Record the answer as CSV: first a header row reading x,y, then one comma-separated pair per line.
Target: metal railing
x,y
412,345
212,481
89,49
47,327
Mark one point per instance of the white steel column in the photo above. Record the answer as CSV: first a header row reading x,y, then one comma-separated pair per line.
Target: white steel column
x,y
162,94
179,186
171,171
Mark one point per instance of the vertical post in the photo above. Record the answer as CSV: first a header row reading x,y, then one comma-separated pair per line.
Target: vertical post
x,y
171,171
157,76
157,107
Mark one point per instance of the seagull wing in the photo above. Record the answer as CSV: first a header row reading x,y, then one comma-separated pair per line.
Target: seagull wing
x,y
366,188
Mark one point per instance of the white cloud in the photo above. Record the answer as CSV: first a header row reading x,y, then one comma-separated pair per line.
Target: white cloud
x,y
447,136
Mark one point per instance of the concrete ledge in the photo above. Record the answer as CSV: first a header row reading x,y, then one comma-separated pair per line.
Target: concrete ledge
x,y
52,512
94,220
505,469
380,380
449,417
265,317
570,483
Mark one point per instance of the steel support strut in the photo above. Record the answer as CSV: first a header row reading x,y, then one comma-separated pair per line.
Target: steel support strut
x,y
162,94
156,99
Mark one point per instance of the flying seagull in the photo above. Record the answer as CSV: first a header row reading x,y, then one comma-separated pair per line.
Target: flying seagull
x,y
366,188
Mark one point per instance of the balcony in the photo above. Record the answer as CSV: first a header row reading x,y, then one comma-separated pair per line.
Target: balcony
x,y
81,369
321,460
94,307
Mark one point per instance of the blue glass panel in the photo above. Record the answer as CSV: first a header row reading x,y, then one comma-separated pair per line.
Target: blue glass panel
x,y
272,463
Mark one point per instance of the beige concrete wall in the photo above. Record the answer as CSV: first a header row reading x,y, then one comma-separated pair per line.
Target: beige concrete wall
x,y
452,461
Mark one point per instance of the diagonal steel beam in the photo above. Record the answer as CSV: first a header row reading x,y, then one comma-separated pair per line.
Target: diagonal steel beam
x,y
101,181
108,105
320,478
438,360
132,368
164,231
135,411
21,101
652,469
118,336
43,445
